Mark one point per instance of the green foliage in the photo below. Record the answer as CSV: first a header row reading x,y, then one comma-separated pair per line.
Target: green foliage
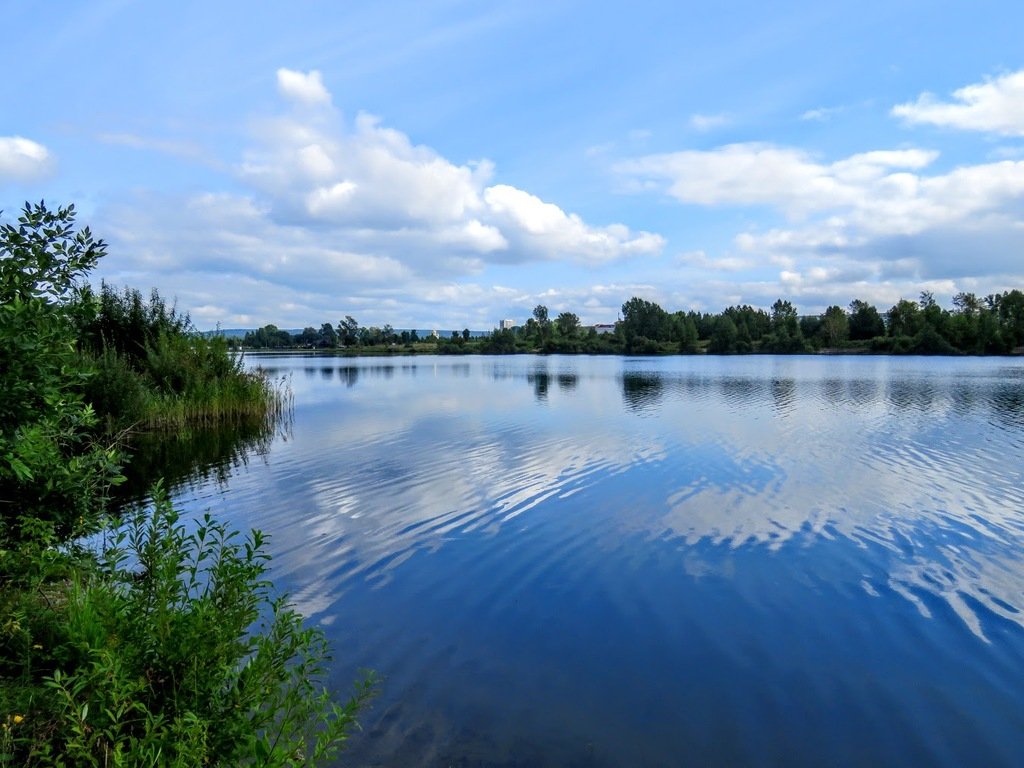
x,y
268,337
904,318
501,342
688,337
126,323
52,469
645,318
641,345
929,341
725,337
167,648
835,326
348,331
44,257
174,652
865,322
151,369
567,324
994,325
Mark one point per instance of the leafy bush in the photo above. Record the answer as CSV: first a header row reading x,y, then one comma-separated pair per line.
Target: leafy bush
x,y
167,648
53,472
174,652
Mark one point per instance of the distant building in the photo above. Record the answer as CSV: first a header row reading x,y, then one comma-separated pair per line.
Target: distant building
x,y
604,328
507,325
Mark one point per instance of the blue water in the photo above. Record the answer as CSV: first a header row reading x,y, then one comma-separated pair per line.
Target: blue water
x,y
796,561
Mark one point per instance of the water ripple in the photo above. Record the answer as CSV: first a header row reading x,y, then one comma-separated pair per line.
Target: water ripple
x,y
754,560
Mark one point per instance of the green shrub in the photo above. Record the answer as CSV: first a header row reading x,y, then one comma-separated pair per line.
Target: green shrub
x,y
174,652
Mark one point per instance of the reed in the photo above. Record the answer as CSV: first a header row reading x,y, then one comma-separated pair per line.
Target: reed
x,y
151,370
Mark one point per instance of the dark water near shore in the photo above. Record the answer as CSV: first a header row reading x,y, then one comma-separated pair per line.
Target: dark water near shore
x,y
656,561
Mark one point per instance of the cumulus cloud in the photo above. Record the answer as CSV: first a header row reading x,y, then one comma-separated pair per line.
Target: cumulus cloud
x,y
545,228
302,87
326,206
764,174
874,224
994,106
371,185
22,159
883,192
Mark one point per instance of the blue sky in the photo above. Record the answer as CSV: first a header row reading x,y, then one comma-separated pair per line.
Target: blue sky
x,y
450,164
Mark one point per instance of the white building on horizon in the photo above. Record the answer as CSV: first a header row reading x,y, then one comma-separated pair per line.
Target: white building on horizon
x,y
506,325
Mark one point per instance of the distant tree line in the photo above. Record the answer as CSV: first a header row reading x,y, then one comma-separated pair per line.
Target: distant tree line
x,y
993,325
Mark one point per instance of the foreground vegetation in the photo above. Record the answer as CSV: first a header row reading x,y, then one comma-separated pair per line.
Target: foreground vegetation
x,y
165,644
990,326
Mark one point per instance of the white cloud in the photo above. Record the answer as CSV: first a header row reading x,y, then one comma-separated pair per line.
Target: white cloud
x,y
874,224
22,159
821,114
873,193
994,106
371,186
342,213
302,87
764,174
546,228
705,123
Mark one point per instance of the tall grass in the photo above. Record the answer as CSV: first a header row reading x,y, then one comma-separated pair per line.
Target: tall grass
x,y
152,370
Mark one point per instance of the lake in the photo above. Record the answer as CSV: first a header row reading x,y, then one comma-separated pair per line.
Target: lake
x,y
575,561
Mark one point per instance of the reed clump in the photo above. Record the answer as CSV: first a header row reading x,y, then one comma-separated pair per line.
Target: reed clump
x,y
151,369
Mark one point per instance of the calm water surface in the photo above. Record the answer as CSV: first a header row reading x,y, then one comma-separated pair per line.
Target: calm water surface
x,y
656,561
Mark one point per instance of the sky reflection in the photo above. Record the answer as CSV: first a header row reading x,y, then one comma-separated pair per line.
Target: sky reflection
x,y
804,547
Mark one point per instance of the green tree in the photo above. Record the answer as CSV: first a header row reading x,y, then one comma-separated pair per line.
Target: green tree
x,y
44,257
1011,317
835,326
904,318
307,337
568,325
645,318
53,475
752,324
784,317
865,321
723,340
268,337
786,336
967,303
688,336
327,337
348,331
932,315
502,341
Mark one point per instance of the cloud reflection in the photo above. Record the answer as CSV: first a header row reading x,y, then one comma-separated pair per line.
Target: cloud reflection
x,y
416,453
